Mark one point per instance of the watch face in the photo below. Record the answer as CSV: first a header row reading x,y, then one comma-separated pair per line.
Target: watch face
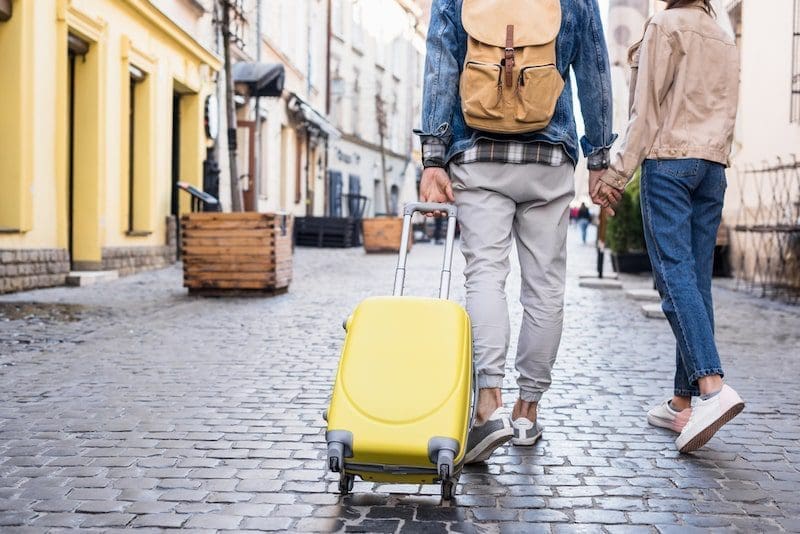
x,y
212,117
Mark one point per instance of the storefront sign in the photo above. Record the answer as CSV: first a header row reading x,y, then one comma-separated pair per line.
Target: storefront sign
x,y
212,117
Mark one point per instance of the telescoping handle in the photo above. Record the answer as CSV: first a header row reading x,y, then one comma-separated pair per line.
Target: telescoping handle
x,y
426,207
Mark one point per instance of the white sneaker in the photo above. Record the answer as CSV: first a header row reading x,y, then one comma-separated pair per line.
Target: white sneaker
x,y
526,432
665,417
707,417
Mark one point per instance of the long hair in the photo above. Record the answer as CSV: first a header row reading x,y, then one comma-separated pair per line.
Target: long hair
x,y
672,4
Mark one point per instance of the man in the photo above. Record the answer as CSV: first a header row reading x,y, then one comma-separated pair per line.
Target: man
x,y
515,183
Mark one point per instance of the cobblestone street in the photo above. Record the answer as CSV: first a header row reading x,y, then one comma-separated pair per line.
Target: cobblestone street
x,y
131,404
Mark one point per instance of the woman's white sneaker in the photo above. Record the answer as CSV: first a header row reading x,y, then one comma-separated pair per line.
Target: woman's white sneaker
x,y
707,417
665,417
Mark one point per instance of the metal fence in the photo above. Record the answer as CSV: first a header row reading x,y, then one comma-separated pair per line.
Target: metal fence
x,y
766,234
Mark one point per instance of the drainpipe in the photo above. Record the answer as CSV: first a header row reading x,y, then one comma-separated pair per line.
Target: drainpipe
x,y
257,177
328,61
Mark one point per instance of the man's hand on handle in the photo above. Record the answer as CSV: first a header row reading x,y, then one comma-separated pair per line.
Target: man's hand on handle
x,y
435,186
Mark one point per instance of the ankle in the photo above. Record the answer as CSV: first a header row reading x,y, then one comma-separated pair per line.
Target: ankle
x,y
680,403
528,410
489,400
709,384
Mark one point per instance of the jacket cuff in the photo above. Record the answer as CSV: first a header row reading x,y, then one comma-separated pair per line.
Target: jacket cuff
x,y
434,152
590,150
599,160
614,179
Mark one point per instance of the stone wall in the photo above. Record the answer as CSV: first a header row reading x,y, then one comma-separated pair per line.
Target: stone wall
x,y
34,268
131,260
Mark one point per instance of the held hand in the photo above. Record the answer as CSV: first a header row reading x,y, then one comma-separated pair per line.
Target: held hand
x,y
594,178
435,186
606,196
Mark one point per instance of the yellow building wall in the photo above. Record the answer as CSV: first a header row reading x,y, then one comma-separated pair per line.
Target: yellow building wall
x,y
34,122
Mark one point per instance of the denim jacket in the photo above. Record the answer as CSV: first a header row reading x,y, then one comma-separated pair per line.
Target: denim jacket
x,y
580,45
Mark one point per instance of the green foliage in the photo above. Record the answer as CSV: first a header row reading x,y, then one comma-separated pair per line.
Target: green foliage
x,y
625,232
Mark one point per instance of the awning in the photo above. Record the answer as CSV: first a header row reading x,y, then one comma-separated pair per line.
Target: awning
x,y
263,79
313,117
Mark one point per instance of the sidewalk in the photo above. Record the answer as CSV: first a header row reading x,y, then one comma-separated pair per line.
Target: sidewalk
x,y
144,407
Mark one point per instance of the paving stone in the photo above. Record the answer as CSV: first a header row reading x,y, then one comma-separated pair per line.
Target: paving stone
x,y
267,523
599,516
161,520
214,521
107,520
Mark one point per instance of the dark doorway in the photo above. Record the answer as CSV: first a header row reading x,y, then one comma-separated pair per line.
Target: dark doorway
x,y
176,153
76,50
335,190
354,188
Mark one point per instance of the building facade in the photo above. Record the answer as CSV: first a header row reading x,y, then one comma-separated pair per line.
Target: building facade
x,y
101,113
762,204
376,64
281,139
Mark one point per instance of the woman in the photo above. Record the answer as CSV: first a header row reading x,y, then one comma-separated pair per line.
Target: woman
x,y
683,109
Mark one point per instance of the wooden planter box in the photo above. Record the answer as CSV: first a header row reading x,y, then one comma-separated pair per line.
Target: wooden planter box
x,y
382,234
236,253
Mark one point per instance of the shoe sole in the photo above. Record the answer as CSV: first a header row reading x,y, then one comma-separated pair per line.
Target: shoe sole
x,y
527,442
707,433
489,444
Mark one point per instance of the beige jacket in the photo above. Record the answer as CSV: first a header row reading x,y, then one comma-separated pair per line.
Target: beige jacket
x,y
685,90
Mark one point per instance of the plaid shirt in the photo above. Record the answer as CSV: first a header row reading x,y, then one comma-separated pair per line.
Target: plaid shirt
x,y
433,153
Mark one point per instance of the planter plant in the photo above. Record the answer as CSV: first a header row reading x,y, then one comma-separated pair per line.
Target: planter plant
x,y
625,233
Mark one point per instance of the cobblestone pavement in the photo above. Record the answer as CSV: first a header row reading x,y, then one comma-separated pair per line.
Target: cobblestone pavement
x,y
143,407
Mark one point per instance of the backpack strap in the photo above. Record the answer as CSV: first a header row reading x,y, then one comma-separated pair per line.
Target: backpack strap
x,y
509,56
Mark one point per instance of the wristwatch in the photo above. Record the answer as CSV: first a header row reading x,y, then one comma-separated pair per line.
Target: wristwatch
x,y
599,160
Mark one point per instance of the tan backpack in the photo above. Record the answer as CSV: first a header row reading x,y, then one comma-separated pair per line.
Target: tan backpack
x,y
510,83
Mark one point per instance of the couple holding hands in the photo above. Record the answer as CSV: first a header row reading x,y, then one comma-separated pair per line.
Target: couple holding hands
x,y
499,139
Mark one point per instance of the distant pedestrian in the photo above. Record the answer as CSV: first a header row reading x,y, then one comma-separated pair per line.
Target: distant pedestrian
x,y
584,218
684,97
437,230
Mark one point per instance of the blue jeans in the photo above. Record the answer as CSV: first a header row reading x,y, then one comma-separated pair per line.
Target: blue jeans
x,y
681,209
583,224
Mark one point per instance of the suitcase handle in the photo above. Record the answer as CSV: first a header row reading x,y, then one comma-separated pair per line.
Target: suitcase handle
x,y
426,207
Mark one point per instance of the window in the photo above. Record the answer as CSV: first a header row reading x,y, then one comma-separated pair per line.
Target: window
x,y
796,64
355,118
135,79
337,17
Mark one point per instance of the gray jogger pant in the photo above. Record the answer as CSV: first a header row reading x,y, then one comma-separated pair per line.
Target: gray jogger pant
x,y
530,202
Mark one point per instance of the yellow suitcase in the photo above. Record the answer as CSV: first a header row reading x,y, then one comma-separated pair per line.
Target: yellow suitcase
x,y
401,404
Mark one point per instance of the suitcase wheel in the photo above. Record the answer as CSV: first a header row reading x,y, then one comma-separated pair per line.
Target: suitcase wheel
x,y
346,483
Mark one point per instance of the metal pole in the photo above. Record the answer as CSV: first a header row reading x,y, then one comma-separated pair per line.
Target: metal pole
x,y
447,264
257,178
400,274
236,192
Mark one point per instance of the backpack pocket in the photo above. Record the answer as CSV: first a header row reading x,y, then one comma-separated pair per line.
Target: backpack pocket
x,y
538,90
481,90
